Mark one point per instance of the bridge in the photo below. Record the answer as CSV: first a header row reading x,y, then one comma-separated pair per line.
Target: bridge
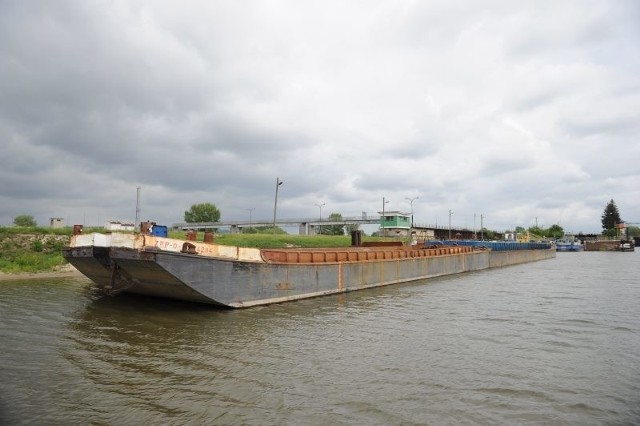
x,y
311,226
306,226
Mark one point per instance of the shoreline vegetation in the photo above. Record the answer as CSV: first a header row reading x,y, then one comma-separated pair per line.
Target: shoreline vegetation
x,y
36,252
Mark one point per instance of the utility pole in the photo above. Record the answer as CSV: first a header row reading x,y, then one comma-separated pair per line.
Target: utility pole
x,y
320,225
137,222
250,216
275,204
475,233
383,216
411,200
481,227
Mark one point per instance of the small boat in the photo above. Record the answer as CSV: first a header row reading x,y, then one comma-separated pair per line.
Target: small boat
x,y
239,277
570,244
627,245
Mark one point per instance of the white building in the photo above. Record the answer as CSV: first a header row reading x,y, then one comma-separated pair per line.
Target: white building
x,y
57,222
119,226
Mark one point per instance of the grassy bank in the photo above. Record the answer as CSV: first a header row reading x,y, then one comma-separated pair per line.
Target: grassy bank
x,y
279,240
31,250
39,249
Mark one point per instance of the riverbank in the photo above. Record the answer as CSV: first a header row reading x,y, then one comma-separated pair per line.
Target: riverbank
x,y
62,271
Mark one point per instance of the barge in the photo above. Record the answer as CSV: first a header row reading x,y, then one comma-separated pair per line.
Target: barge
x,y
239,277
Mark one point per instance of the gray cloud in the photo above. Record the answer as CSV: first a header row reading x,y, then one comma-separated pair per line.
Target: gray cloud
x,y
507,110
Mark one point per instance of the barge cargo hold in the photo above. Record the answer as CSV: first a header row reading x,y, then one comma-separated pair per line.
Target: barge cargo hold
x,y
239,277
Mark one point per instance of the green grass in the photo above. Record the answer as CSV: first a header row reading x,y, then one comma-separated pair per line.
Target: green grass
x,y
37,256
15,230
24,261
282,241
278,240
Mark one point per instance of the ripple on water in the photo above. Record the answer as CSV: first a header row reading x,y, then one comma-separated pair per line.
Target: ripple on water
x,y
507,346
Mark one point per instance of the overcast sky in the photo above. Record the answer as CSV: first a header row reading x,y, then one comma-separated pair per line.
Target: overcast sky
x,y
523,111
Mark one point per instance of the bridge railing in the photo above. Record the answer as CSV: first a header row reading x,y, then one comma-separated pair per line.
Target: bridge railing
x,y
292,222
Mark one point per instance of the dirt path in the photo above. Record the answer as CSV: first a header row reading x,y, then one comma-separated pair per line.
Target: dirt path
x,y
65,271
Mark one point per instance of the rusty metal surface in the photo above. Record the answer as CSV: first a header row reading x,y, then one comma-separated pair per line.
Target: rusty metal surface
x,y
242,284
355,254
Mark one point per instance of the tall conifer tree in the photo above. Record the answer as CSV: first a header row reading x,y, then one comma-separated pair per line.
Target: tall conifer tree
x,y
610,216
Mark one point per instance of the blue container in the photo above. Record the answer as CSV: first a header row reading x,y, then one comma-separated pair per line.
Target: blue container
x,y
159,231
499,245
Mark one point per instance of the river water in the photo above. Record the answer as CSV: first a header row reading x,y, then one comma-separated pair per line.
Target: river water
x,y
551,342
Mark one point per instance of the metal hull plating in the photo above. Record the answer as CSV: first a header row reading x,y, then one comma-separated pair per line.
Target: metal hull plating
x,y
241,283
94,262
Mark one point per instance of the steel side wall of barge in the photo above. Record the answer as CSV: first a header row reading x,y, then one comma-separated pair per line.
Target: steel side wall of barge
x,y
243,284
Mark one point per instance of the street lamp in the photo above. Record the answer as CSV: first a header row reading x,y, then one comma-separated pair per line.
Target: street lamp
x,y
411,200
450,213
320,225
475,230
250,218
383,217
275,205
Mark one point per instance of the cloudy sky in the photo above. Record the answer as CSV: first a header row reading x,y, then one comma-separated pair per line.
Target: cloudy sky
x,y
523,111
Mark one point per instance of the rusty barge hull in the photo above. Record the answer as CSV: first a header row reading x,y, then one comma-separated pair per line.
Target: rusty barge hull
x,y
237,278
242,284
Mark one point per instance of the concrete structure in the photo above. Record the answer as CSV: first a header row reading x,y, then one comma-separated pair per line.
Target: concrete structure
x,y
608,245
305,226
308,226
57,222
119,226
395,224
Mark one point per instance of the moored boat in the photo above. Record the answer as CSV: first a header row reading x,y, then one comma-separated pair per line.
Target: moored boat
x,y
569,245
241,277
627,245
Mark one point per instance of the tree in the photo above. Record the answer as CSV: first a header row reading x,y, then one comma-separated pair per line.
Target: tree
x,y
351,227
25,220
487,234
333,229
555,231
203,212
536,232
610,216
633,231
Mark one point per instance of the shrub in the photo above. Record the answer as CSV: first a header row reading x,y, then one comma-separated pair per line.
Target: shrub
x,y
37,246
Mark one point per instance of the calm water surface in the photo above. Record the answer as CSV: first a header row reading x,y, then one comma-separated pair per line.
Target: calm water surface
x,y
551,342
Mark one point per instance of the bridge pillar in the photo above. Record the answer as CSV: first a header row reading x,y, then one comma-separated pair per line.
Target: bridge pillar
x,y
235,229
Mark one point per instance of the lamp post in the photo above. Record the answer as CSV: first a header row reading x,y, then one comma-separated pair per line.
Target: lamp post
x,y
320,225
475,230
275,205
450,213
135,224
383,217
250,218
411,200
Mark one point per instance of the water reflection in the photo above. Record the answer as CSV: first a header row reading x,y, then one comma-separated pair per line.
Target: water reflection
x,y
174,359
511,345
